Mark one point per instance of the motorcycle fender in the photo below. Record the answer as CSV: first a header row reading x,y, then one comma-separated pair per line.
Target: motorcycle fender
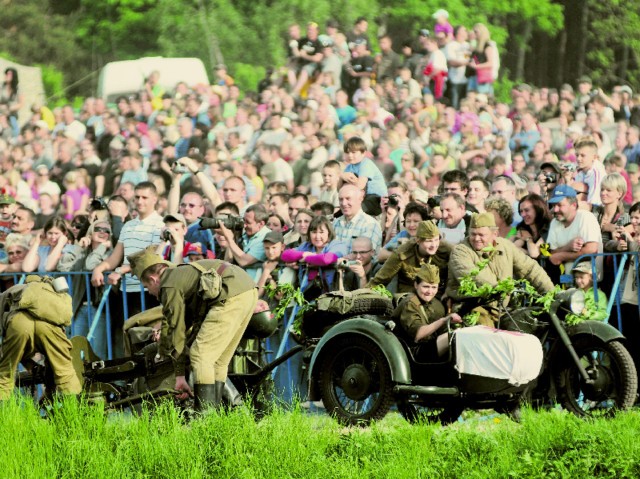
x,y
387,342
603,331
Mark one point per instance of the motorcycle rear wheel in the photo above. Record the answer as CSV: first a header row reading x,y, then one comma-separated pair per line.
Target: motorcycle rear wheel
x,y
415,413
616,382
355,381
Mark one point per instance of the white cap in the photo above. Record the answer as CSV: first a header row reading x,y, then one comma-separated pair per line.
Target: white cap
x,y
441,13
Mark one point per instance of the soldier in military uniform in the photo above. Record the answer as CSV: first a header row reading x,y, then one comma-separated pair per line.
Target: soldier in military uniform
x,y
25,332
506,261
407,259
215,298
422,316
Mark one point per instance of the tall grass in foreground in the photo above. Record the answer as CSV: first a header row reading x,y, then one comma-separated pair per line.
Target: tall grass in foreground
x,y
80,441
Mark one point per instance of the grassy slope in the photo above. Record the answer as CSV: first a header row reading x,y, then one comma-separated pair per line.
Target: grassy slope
x,y
83,443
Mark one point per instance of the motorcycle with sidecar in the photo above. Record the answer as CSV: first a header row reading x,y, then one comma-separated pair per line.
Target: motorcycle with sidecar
x,y
360,366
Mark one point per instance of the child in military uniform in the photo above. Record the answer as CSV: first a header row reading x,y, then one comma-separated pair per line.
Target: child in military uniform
x,y
422,316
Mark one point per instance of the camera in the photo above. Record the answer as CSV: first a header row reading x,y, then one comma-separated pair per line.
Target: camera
x,y
98,204
434,201
166,235
344,263
393,201
179,168
550,178
234,223
572,167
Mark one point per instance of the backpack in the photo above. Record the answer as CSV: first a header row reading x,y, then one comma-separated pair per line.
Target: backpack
x,y
210,281
40,300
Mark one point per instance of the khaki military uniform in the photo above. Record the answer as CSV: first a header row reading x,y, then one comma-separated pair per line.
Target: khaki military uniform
x,y
219,323
24,335
508,261
412,313
406,262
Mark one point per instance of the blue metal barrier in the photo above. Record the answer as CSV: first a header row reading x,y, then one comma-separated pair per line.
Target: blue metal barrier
x,y
94,313
620,260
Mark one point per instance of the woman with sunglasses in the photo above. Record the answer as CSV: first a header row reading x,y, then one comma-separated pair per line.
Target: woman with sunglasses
x,y
89,252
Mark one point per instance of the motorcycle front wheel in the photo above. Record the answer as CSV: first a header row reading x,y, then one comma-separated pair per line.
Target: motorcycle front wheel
x,y
615,379
416,413
355,381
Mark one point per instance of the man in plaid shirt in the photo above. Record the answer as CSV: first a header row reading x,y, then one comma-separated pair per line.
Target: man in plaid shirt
x,y
354,222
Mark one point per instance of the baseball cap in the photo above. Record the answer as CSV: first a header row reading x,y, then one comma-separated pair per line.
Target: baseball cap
x,y
632,168
582,267
193,248
626,89
560,192
424,32
175,217
550,164
584,79
441,13
273,237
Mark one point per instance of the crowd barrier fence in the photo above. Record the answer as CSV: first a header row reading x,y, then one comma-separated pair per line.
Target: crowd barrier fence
x,y
289,384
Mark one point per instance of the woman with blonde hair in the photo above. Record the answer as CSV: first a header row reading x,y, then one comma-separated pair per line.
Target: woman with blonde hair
x,y
611,213
483,66
76,198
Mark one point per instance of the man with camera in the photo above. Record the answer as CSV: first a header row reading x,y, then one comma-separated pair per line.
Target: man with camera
x,y
191,205
252,254
548,178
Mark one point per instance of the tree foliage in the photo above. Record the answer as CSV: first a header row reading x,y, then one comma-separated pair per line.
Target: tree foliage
x,y
82,35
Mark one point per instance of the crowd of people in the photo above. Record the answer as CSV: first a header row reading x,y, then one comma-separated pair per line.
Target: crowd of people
x,y
382,158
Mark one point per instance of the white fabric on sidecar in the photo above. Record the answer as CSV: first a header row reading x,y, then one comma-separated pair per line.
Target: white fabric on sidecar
x,y
492,353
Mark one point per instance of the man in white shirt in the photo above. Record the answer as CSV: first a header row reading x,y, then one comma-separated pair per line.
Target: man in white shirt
x,y
572,232
591,171
457,53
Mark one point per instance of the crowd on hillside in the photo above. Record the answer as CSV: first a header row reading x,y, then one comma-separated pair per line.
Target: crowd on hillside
x,y
340,153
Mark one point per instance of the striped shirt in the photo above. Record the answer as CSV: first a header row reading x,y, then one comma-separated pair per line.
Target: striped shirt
x,y
592,178
135,236
360,225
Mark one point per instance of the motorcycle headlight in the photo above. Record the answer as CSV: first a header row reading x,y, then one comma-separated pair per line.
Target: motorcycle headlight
x,y
577,300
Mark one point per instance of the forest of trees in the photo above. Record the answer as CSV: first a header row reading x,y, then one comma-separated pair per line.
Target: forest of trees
x,y
543,42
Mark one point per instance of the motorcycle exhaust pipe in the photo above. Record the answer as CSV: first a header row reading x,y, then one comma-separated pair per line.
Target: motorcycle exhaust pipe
x,y
231,395
426,390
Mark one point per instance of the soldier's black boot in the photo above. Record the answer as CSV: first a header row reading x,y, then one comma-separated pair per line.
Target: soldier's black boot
x,y
220,394
206,396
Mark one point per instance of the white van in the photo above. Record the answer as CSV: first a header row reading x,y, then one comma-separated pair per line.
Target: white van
x,y
128,77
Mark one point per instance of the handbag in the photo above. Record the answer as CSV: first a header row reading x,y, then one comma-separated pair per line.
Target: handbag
x,y
484,75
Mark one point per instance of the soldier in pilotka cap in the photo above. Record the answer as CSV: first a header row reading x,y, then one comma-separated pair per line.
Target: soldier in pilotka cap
x,y
407,259
422,317
505,259
214,298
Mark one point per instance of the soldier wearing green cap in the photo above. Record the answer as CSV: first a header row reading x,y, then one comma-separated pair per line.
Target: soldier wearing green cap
x,y
212,297
506,260
422,316
407,259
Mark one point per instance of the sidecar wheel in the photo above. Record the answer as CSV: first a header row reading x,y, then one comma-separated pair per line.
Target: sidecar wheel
x,y
415,413
355,381
615,385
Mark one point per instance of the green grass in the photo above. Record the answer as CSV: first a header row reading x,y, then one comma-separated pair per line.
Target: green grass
x,y
82,442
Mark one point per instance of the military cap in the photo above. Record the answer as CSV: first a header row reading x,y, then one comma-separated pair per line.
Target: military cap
x,y
429,273
144,259
479,220
7,200
427,230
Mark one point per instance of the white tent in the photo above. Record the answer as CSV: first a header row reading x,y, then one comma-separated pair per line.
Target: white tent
x,y
30,86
